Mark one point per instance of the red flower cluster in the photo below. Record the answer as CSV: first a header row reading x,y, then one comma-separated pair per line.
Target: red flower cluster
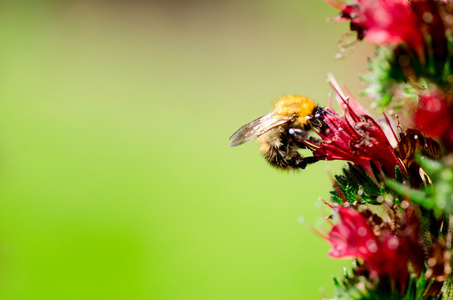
x,y
385,253
418,30
434,116
360,141
384,22
355,138
397,22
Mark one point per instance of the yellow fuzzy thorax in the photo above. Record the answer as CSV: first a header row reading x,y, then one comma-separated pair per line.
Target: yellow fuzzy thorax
x,y
295,105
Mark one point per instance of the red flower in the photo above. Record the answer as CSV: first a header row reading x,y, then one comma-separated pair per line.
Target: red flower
x,y
355,138
433,115
383,22
351,237
385,253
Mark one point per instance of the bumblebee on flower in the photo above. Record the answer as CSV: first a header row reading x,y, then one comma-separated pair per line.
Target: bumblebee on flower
x,y
402,164
296,121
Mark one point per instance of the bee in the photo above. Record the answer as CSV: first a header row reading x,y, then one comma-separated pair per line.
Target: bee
x,y
280,131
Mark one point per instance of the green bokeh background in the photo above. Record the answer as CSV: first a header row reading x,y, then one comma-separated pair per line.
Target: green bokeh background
x,y
116,179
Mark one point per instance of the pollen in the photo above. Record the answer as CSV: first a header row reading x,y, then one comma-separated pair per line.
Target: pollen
x,y
300,106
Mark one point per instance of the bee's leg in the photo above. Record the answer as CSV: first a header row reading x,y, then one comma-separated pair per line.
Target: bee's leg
x,y
310,160
299,134
302,162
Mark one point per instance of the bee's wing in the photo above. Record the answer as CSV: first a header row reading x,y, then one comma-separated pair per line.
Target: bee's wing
x,y
257,127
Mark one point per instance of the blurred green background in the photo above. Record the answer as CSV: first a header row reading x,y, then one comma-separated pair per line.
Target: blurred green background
x,y
116,179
